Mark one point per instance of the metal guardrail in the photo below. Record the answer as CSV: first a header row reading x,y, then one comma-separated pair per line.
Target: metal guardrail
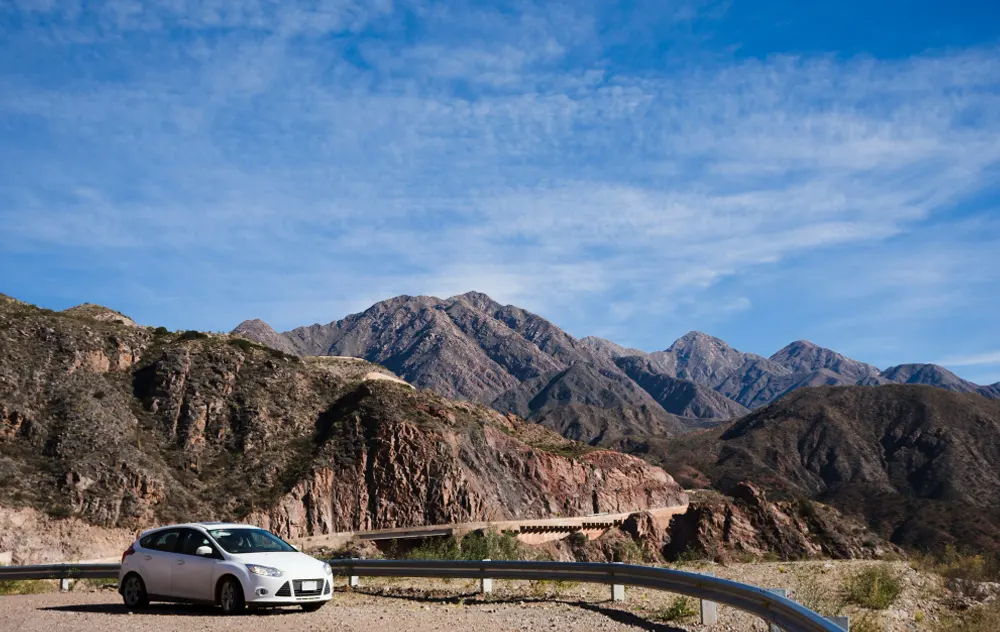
x,y
780,611
775,609
60,571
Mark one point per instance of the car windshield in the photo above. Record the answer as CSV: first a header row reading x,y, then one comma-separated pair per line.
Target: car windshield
x,y
249,541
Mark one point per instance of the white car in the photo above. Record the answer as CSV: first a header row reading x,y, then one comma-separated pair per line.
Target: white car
x,y
232,565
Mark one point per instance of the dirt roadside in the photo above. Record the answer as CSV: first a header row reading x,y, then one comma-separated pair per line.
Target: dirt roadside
x,y
431,605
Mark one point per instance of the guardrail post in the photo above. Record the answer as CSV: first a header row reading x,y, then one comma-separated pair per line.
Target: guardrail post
x,y
485,583
64,584
353,580
617,590
781,592
843,622
709,609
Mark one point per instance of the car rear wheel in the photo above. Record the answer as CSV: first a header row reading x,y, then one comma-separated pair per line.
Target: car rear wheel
x,y
231,597
313,607
134,592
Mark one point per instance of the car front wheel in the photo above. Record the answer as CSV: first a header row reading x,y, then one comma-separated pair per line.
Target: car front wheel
x,y
134,592
231,597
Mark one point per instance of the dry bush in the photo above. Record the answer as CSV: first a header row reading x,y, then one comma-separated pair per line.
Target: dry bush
x,y
875,587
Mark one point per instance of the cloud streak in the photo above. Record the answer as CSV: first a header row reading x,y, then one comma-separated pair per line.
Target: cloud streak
x,y
990,357
290,159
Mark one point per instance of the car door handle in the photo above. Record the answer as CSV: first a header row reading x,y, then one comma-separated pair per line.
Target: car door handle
x,y
147,557
180,562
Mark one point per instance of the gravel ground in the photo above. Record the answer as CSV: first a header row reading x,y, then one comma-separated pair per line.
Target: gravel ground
x,y
426,605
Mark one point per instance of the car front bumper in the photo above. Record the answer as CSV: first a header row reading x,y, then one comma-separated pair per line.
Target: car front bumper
x,y
283,591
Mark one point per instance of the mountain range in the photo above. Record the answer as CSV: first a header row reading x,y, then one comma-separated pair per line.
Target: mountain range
x,y
590,389
122,426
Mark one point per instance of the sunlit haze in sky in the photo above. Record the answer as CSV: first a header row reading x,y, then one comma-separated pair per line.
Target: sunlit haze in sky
x,y
760,171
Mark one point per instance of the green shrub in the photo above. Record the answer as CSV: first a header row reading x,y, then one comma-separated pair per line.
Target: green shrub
x,y
242,343
627,550
951,563
25,586
161,331
680,608
191,334
876,587
436,549
479,545
979,619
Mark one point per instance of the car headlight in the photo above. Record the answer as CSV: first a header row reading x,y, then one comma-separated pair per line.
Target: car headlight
x,y
327,569
266,571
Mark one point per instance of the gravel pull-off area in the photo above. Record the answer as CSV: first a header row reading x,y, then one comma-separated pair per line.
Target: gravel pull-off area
x,y
431,605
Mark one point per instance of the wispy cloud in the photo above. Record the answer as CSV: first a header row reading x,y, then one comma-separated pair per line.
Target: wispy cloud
x,y
990,357
288,159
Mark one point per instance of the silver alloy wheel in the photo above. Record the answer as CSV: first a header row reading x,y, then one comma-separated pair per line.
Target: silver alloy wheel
x,y
133,591
228,597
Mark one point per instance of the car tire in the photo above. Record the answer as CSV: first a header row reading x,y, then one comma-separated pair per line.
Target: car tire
x,y
313,607
231,597
134,592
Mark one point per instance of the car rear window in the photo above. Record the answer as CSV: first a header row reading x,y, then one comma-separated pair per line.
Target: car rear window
x,y
162,541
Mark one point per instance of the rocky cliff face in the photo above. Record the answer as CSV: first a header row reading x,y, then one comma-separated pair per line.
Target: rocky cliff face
x,y
122,427
748,525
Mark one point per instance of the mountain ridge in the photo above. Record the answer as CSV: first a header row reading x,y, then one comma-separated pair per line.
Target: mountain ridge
x,y
470,346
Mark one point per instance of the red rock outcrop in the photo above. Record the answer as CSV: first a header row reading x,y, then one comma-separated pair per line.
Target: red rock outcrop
x,y
748,525
459,473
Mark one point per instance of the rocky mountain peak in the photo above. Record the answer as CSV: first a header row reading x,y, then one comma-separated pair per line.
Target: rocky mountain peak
x,y
933,375
478,300
696,340
101,313
804,356
259,331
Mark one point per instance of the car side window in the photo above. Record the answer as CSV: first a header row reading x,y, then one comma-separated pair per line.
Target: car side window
x,y
165,541
191,540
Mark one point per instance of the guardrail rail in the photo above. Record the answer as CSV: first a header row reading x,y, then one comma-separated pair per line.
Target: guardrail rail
x,y
783,612
775,609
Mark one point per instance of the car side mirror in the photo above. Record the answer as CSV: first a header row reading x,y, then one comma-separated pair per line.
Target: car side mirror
x,y
204,550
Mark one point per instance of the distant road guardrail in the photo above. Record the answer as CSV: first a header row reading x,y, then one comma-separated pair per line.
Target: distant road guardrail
x,y
780,611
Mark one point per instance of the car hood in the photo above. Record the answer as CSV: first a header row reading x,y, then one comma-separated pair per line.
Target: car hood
x,y
294,564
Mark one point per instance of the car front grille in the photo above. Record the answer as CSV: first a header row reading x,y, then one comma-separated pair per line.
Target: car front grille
x,y
284,591
299,593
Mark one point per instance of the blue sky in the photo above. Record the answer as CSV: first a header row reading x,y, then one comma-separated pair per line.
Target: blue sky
x,y
761,171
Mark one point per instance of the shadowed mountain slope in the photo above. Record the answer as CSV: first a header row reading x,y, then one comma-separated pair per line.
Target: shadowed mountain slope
x,y
920,464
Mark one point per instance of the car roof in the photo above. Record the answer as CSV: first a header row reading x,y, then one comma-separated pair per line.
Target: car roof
x,y
202,525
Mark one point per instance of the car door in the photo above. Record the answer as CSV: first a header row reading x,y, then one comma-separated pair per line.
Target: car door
x,y
192,575
157,561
